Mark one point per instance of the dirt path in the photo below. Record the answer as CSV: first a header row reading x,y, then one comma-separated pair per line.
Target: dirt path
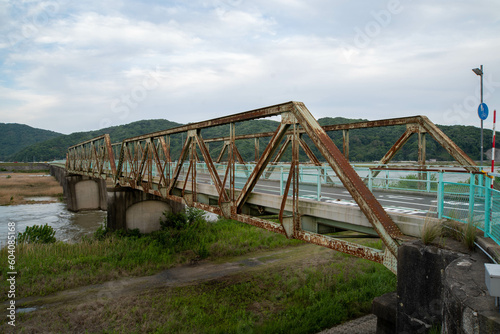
x,y
179,276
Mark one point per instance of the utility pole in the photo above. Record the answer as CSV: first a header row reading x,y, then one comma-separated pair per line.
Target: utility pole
x,y
479,71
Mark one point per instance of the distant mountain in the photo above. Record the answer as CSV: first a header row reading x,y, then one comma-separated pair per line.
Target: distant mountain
x,y
14,137
365,145
56,148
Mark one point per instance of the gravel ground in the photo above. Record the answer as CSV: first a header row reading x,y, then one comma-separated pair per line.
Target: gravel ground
x,y
363,325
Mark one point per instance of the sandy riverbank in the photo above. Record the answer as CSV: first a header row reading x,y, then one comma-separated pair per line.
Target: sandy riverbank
x,y
26,188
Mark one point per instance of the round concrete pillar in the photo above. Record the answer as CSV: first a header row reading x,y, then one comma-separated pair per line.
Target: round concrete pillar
x,y
146,215
87,195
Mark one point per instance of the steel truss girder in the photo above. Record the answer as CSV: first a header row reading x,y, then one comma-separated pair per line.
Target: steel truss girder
x,y
138,155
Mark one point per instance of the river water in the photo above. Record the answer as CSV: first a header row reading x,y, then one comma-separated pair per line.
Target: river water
x,y
69,226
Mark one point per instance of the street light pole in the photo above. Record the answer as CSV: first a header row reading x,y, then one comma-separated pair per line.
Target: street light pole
x,y
479,71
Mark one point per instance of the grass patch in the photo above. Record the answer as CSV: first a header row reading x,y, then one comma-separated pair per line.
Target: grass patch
x,y
47,268
298,298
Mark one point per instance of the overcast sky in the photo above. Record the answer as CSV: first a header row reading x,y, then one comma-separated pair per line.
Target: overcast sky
x,y
72,66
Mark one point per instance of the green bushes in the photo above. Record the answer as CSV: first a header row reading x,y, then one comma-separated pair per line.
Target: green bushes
x,y
37,234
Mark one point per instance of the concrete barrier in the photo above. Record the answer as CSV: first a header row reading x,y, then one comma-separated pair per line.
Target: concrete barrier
x,y
438,287
25,167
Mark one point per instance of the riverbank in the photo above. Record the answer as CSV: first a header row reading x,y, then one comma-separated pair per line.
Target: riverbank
x,y
29,188
229,278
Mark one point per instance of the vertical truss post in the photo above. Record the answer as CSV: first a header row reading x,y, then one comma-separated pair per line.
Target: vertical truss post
x,y
296,175
421,157
256,148
345,135
194,168
231,164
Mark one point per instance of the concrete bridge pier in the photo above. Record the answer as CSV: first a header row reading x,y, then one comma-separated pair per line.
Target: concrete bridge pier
x,y
134,209
84,193
81,192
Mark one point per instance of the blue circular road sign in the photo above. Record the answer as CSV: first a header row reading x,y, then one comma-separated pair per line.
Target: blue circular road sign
x,y
482,111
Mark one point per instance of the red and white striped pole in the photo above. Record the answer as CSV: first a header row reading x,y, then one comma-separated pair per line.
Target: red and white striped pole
x,y
493,147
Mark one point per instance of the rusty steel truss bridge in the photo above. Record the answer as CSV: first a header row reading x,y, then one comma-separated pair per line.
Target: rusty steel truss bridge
x,y
146,163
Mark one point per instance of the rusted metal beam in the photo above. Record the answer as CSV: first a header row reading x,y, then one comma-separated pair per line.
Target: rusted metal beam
x,y
372,124
335,127
380,220
257,149
136,156
223,150
393,150
308,151
211,168
345,137
452,148
261,164
341,246
180,163
244,116
421,148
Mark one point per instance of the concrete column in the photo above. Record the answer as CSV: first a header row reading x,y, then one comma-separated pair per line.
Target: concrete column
x,y
130,209
84,193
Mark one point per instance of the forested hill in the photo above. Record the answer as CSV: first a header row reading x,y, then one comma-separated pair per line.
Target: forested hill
x,y
56,148
14,137
365,144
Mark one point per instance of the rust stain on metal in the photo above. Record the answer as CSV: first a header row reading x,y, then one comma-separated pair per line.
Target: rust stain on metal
x,y
342,246
372,209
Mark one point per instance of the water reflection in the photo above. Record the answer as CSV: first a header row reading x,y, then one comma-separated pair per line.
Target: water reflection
x,y
69,226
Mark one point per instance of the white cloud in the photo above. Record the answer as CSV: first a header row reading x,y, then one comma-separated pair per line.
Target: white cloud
x,y
119,61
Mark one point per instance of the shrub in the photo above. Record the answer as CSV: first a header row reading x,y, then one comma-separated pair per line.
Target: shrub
x,y
182,220
102,232
37,234
176,221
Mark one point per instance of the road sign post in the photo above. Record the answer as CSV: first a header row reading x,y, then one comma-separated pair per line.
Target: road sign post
x,y
482,112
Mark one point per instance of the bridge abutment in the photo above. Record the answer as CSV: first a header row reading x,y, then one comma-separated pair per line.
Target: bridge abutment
x,y
134,209
438,288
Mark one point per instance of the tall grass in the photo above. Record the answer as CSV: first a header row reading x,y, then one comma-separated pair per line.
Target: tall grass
x,y
47,268
430,231
282,298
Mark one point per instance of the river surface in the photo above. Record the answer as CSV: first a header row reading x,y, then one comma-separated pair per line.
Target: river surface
x,y
69,226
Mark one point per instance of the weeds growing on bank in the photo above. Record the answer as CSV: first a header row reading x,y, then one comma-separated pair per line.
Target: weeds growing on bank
x,y
430,231
284,298
47,268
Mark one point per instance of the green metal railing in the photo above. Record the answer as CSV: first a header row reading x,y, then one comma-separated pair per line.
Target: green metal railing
x,y
471,203
461,196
